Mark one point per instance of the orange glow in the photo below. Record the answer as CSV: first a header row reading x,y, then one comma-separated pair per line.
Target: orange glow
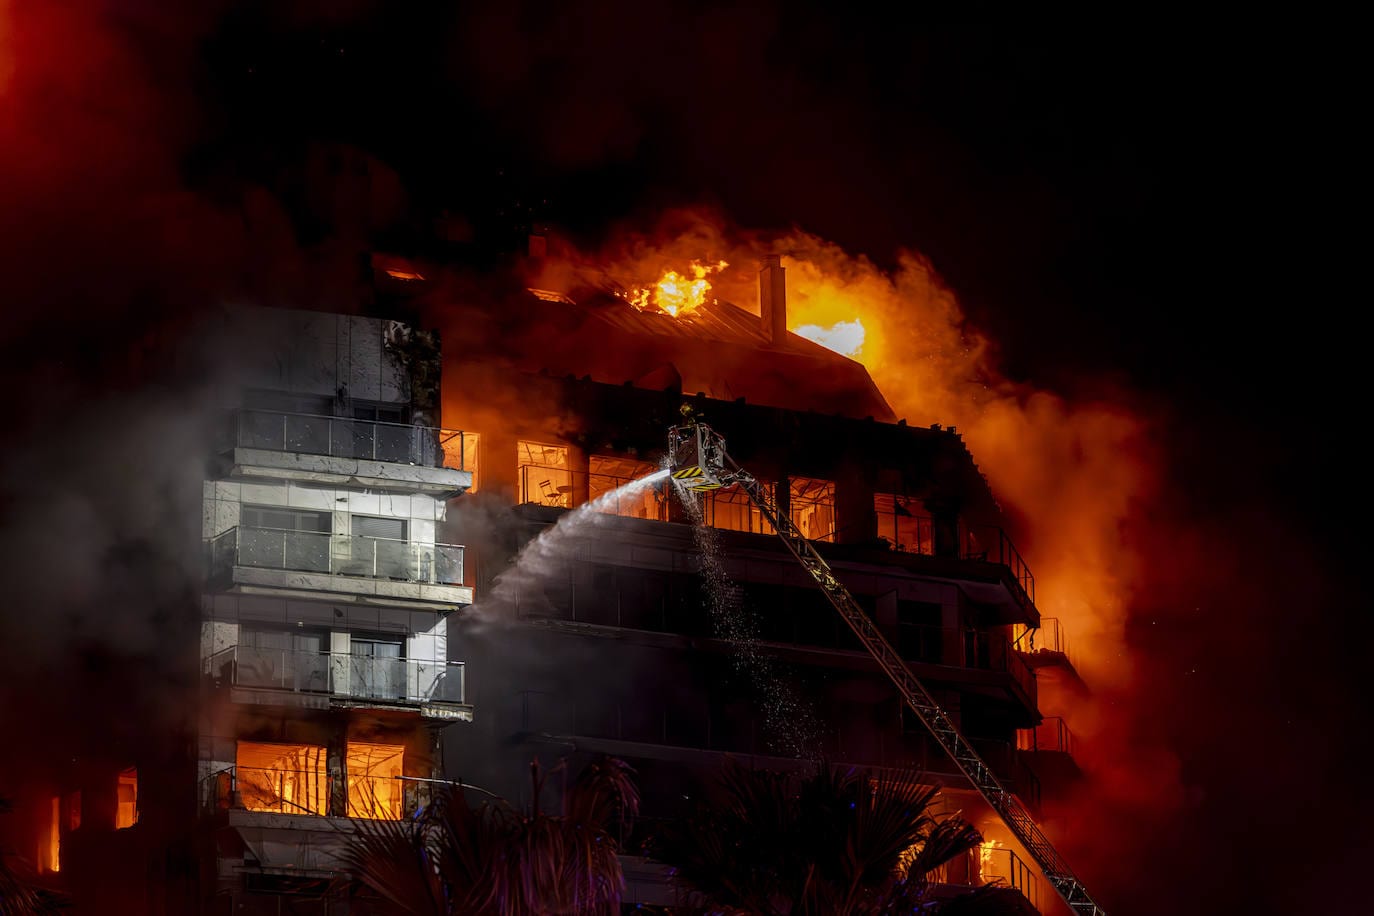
x,y
988,867
403,274
1079,473
53,854
1074,471
375,788
126,814
283,778
676,294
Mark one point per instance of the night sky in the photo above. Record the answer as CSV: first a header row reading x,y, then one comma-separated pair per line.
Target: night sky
x,y
1128,205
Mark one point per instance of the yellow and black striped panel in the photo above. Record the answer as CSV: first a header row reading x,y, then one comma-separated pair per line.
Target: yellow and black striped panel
x,y
689,473
709,485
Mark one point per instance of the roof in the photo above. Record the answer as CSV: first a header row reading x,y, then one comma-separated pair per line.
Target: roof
x,y
718,348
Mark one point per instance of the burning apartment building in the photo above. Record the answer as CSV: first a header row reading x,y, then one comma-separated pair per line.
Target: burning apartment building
x,y
328,672
670,628
428,566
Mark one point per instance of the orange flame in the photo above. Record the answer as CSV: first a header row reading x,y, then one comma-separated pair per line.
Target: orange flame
x,y
675,294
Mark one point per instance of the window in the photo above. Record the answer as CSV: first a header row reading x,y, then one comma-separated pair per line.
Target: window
x,y
813,507
378,667
919,634
380,434
608,474
274,537
285,519
901,524
288,402
283,659
283,421
732,510
375,787
461,450
126,788
50,854
381,413
379,547
545,477
284,778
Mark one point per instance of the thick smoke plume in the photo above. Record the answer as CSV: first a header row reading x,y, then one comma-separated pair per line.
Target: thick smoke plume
x,y
113,260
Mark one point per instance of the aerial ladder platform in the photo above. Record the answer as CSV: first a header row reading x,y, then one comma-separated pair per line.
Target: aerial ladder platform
x,y
699,462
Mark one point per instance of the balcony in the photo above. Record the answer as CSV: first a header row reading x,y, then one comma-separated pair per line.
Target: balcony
x,y
319,679
990,544
564,488
965,650
260,797
1050,736
991,863
1049,749
266,444
275,561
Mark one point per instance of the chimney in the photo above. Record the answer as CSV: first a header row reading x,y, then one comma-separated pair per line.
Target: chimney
x,y
773,299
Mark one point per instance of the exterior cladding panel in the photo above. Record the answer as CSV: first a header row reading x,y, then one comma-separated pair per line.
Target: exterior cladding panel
x,y
321,355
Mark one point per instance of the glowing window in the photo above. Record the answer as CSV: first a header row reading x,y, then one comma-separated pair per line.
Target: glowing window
x,y
813,507
901,524
284,778
74,810
126,814
461,451
544,475
50,853
609,474
732,510
375,787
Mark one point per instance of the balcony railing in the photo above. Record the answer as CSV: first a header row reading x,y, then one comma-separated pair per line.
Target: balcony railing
x,y
1050,735
935,645
358,676
312,792
991,544
275,791
1049,638
565,488
344,437
336,554
990,863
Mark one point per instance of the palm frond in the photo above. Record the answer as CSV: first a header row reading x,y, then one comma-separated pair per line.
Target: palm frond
x,y
392,860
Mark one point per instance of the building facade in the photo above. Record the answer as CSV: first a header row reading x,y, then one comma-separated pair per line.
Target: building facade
x,y
374,622
670,633
325,621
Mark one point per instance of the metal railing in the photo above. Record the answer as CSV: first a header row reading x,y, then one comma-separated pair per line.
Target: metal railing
x,y
345,437
312,792
566,488
367,677
336,554
990,543
1050,637
268,789
1050,735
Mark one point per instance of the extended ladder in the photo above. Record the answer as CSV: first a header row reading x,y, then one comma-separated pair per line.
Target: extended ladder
x,y
935,719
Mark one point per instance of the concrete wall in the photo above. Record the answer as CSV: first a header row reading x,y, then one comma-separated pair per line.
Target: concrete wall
x,y
223,500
